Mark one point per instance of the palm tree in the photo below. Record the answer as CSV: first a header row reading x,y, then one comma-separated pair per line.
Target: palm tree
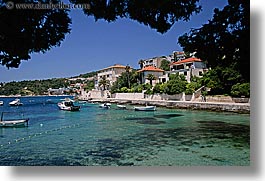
x,y
141,63
104,82
127,69
151,77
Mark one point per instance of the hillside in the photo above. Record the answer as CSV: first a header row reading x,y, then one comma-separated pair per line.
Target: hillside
x,y
37,87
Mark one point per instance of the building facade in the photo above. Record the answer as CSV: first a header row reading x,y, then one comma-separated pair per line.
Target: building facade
x,y
150,70
156,61
188,67
110,73
178,56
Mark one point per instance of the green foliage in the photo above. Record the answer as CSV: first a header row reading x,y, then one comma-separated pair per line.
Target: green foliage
x,y
191,87
104,82
151,77
221,79
124,89
86,75
226,35
89,85
158,88
148,91
177,77
165,65
126,79
241,90
147,86
176,84
36,87
138,88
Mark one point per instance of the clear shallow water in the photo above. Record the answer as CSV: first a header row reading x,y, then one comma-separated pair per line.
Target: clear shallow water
x,y
115,137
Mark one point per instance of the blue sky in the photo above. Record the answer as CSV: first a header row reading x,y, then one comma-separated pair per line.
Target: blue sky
x,y
94,45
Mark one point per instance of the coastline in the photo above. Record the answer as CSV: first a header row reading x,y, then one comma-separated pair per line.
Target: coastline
x,y
242,108
3,96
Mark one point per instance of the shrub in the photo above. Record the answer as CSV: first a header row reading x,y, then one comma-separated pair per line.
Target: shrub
x,y
240,90
124,89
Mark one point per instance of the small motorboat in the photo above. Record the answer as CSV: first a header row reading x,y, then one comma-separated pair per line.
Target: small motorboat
x,y
16,102
121,106
68,105
146,108
1,103
13,122
105,105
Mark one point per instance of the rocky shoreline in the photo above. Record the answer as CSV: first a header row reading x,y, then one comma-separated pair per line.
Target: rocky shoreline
x,y
243,108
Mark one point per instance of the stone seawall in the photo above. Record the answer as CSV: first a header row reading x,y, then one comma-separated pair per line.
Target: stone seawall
x,y
212,106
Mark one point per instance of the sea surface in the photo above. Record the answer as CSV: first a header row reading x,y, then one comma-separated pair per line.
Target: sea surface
x,y
112,137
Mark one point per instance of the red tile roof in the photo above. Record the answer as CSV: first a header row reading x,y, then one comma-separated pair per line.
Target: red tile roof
x,y
151,68
192,59
114,66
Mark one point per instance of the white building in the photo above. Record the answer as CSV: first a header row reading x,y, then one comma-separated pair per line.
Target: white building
x,y
111,73
150,70
156,61
177,56
189,67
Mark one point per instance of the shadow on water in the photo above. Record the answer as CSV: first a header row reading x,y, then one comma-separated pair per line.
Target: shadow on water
x,y
137,148
167,116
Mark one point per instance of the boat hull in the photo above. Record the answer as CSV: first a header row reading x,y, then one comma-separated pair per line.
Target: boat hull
x,y
14,123
121,106
147,108
15,102
70,108
105,106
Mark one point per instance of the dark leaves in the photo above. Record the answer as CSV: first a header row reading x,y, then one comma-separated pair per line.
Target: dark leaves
x,y
159,15
27,31
224,40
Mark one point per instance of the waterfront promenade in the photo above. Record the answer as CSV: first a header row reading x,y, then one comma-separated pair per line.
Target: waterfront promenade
x,y
211,106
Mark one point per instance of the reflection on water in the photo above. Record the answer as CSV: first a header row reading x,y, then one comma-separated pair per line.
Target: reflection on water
x,y
97,136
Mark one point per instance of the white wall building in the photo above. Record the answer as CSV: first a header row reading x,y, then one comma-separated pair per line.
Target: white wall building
x,y
150,70
188,67
111,73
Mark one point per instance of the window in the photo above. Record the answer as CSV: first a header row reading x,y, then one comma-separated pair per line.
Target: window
x,y
180,67
200,73
185,73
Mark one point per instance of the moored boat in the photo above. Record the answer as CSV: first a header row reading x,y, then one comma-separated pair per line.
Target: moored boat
x,y
1,103
121,106
105,105
16,102
13,122
68,105
146,108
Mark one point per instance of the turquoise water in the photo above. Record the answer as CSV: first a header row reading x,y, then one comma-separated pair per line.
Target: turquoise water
x,y
113,137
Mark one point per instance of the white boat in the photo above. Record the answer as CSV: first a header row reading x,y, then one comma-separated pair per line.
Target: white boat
x,y
121,106
1,103
16,102
13,122
105,105
68,105
146,108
